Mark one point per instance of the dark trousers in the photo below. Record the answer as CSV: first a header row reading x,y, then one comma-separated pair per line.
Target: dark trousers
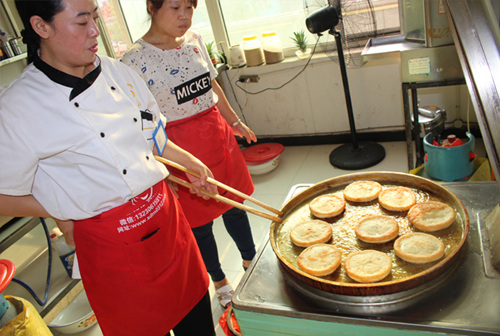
x,y
238,227
198,321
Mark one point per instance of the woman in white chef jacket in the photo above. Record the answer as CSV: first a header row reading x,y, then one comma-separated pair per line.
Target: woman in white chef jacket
x,y
78,135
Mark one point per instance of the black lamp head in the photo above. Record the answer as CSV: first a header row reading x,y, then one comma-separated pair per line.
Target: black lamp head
x,y
321,20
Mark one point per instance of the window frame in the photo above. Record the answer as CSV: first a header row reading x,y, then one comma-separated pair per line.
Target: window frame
x,y
106,38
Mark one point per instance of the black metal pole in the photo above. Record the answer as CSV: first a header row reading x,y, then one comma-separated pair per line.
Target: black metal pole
x,y
353,156
419,147
347,92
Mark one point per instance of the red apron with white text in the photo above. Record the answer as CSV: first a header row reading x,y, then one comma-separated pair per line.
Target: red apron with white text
x,y
207,136
140,265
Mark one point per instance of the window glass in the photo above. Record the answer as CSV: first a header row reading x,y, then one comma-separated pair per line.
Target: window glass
x,y
201,22
136,16
116,29
138,20
243,17
285,17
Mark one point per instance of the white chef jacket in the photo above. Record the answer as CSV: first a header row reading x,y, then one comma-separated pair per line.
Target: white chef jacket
x,y
83,155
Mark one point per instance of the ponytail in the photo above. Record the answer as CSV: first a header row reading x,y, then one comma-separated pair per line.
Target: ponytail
x,y
46,9
32,41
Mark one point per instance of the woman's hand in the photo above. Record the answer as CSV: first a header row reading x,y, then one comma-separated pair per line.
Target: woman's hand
x,y
176,154
197,166
244,131
227,112
66,227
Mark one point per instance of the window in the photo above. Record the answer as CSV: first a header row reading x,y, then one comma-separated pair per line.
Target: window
x,y
118,40
136,17
201,22
228,21
256,17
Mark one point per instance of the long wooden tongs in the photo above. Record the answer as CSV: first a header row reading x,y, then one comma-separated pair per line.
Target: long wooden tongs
x,y
225,187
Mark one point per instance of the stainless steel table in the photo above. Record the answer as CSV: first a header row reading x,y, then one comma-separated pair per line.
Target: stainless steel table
x,y
466,301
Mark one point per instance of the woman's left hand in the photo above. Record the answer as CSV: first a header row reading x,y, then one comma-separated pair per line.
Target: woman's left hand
x,y
66,227
244,131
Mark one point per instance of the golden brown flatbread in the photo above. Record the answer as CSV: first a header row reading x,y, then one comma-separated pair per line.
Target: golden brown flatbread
x,y
311,232
397,198
319,259
377,229
327,206
431,216
419,248
362,191
368,266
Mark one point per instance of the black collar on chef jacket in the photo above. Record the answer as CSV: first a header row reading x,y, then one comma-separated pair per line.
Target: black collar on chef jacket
x,y
78,84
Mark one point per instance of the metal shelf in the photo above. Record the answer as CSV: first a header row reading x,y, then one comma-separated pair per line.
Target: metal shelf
x,y
14,230
56,304
13,59
412,131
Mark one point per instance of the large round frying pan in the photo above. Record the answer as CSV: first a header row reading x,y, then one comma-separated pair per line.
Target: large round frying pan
x,y
389,285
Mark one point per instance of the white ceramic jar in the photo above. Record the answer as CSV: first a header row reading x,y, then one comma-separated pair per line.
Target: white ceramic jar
x,y
237,56
253,50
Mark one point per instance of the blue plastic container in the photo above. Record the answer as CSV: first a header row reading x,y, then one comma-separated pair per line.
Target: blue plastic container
x,y
448,163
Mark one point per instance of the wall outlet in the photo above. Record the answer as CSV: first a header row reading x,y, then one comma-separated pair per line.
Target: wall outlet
x,y
249,78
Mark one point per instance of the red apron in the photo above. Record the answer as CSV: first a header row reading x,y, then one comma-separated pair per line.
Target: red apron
x,y
207,136
140,265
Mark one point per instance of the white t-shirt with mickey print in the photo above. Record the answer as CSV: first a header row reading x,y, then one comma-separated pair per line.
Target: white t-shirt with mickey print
x,y
180,79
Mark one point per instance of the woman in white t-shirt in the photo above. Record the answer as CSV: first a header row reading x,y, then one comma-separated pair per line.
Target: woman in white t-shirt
x,y
175,64
78,135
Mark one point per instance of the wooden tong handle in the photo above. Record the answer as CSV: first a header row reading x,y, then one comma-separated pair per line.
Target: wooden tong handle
x,y
221,185
224,199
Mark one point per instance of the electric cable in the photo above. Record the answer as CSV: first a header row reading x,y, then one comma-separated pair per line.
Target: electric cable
x,y
287,82
236,99
49,270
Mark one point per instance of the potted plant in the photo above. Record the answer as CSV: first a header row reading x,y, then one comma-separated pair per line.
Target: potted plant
x,y
300,40
212,51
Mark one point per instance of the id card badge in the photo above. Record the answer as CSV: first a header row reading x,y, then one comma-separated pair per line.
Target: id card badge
x,y
160,138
